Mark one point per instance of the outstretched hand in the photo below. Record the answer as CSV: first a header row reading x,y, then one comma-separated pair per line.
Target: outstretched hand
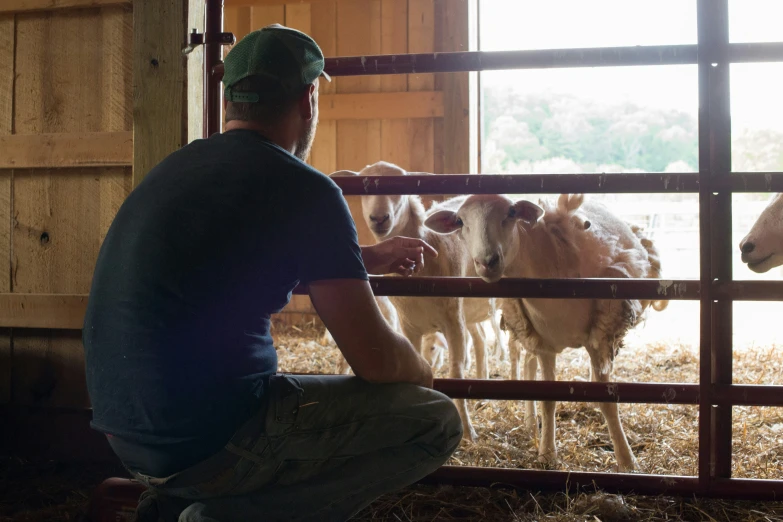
x,y
397,255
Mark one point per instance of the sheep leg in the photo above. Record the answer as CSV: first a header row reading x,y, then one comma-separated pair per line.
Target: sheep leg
x,y
500,350
457,341
531,367
622,450
547,452
480,346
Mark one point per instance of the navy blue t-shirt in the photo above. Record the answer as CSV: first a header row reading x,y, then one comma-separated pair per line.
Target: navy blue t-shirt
x,y
197,259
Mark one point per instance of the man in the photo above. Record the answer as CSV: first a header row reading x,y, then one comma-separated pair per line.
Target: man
x,y
181,367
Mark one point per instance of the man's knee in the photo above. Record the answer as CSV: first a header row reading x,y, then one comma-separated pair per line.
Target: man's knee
x,y
448,432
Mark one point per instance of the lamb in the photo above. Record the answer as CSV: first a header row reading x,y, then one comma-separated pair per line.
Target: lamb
x,y
404,216
569,239
762,248
433,344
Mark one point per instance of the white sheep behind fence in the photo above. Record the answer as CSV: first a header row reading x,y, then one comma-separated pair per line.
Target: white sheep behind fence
x,y
762,247
567,239
404,215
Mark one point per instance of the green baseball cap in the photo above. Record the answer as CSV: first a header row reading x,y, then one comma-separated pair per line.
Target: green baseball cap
x,y
281,53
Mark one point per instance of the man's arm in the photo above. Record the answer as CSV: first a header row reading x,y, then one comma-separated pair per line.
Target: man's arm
x,y
375,352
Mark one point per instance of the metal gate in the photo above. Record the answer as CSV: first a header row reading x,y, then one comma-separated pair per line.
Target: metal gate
x,y
715,394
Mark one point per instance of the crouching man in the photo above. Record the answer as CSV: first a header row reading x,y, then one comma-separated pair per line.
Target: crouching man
x,y
181,366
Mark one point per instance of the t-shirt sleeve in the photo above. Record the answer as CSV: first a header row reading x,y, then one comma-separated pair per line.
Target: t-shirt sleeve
x,y
330,246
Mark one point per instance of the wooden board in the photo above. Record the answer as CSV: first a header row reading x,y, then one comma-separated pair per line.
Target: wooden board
x,y
381,105
195,73
19,6
394,40
60,311
159,82
49,368
323,155
358,142
78,149
6,127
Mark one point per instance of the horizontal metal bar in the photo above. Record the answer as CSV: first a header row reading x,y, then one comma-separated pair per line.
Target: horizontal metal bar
x,y
541,480
499,60
755,52
748,395
543,59
748,489
685,289
518,184
748,290
570,391
752,182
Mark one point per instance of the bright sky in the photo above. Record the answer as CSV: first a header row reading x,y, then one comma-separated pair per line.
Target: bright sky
x,y
536,24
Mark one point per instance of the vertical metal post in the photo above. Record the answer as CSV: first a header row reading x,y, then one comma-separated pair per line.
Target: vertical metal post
x,y
721,221
705,255
212,50
715,238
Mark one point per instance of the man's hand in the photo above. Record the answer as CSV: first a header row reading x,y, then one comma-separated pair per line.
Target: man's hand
x,y
397,255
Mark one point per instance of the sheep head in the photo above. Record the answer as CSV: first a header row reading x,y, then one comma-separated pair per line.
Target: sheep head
x,y
488,226
382,212
762,248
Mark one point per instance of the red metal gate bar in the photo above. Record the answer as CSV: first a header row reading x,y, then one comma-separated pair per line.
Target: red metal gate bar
x,y
751,182
705,259
748,395
517,184
681,289
716,42
498,60
570,391
748,290
572,481
212,51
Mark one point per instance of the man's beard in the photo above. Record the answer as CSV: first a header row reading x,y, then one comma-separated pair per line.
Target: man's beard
x,y
305,142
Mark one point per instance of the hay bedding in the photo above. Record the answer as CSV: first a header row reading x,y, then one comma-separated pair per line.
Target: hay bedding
x,y
664,439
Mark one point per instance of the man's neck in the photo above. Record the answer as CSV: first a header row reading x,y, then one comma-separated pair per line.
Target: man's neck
x,y
277,136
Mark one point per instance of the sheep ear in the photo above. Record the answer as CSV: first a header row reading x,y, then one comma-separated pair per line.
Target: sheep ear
x,y
526,211
339,173
443,222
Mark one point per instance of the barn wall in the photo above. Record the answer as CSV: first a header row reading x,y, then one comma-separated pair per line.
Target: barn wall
x,y
361,132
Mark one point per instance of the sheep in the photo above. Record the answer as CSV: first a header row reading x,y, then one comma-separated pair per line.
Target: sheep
x,y
389,216
569,239
762,248
433,344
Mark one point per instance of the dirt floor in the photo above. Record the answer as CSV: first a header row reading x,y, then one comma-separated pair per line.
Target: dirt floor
x,y
664,439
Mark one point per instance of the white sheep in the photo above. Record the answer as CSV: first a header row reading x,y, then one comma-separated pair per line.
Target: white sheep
x,y
762,248
568,239
389,216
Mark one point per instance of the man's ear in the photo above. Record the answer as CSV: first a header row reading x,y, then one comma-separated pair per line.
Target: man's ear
x,y
307,102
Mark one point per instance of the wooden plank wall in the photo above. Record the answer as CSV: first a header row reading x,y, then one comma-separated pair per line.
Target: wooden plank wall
x,y
65,78
365,27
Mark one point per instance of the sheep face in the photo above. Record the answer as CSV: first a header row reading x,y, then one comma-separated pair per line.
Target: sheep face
x,y
488,226
380,213
762,248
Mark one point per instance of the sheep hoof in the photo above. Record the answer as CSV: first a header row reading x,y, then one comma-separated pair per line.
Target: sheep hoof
x,y
628,467
548,460
470,434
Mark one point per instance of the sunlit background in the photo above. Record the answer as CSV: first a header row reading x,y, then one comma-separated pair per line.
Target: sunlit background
x,y
636,119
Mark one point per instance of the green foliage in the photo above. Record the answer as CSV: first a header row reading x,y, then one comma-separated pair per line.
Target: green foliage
x,y
552,133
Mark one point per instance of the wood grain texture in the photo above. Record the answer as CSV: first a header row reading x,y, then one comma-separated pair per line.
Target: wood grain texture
x,y
358,142
394,40
20,6
382,105
195,74
78,149
159,82
50,311
421,39
7,51
323,155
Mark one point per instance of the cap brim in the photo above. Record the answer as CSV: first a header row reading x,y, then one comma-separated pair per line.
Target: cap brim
x,y
328,78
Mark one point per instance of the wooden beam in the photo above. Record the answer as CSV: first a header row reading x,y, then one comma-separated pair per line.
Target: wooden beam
x,y
381,105
159,82
261,3
19,6
82,149
60,311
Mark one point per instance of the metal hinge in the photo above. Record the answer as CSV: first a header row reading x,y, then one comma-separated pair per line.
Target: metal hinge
x,y
195,39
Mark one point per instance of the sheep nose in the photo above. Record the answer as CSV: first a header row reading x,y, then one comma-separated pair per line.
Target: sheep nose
x,y
747,248
380,220
490,262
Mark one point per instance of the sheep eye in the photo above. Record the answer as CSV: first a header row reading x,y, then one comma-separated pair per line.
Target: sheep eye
x,y
512,212
459,222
